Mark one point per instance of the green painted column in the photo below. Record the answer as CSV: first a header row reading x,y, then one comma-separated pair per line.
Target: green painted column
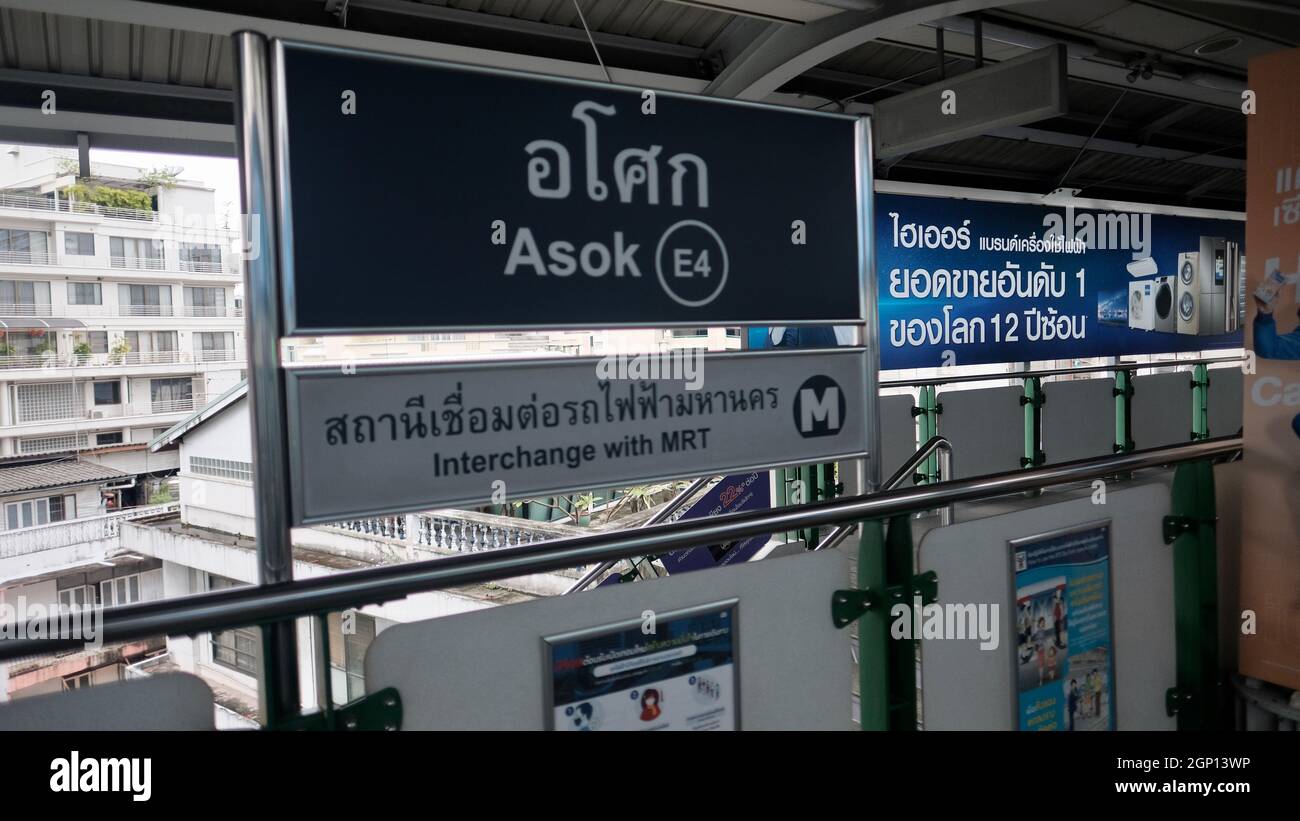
x,y
1200,402
1123,392
901,673
873,632
1032,403
1198,698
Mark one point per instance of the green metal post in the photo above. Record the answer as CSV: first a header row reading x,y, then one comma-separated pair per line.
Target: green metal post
x,y
1032,402
1197,700
928,414
1124,411
902,652
1200,402
873,632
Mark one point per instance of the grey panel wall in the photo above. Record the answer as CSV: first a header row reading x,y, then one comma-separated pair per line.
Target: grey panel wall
x,y
1225,401
966,688
171,701
485,670
1078,419
986,427
897,433
1162,409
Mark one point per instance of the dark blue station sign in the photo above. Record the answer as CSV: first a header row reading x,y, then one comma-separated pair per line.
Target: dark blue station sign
x,y
422,195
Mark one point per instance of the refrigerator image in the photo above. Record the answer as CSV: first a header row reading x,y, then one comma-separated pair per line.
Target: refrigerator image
x,y
1219,283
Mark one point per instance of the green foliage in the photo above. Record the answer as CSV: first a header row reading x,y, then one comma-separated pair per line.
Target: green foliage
x,y
162,495
6,349
161,177
111,197
119,350
81,349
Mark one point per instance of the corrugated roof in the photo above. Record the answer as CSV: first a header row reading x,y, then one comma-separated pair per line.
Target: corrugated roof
x,y
54,474
178,430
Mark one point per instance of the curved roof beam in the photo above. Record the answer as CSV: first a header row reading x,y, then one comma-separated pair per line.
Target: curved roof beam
x,y
781,52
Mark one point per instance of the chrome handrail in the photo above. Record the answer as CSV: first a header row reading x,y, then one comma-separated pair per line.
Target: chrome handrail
x,y
272,603
661,514
992,377
908,469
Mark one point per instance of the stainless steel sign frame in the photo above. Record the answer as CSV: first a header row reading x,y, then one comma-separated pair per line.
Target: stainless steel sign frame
x,y
544,202
401,438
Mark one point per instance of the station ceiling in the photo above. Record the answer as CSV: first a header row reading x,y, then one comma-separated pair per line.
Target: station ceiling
x,y
1173,135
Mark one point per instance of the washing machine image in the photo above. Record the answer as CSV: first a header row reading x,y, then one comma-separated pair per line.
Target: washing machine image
x,y
1166,312
1189,292
1141,305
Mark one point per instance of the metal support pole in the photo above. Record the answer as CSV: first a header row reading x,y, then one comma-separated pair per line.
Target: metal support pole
x,y
1200,403
873,632
253,133
1198,697
1124,411
1033,401
873,627
979,39
899,567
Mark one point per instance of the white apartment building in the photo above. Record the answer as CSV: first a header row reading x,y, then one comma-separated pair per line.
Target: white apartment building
x,y
205,541
114,322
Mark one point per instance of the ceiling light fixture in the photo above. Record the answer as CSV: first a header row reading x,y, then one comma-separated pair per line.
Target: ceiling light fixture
x,y
1217,46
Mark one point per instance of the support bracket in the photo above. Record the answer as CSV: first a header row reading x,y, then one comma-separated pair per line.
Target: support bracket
x,y
1175,700
847,606
375,711
1173,526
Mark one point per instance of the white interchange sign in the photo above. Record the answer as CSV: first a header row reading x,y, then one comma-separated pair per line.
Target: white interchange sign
x,y
402,438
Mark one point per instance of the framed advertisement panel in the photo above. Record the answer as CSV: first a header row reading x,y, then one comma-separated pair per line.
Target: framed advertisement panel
x,y
667,671
1063,665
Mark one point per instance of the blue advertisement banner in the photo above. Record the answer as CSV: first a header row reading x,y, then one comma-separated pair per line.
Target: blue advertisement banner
x,y
733,494
1064,661
742,491
965,282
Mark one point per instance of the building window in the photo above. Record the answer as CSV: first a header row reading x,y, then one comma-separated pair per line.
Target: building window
x,y
132,252
79,243
52,444
85,293
689,333
77,682
205,301
214,346
171,395
119,591
24,298
44,511
237,649
221,468
199,257
97,340
79,596
21,245
108,393
48,401
153,346
108,438
348,652
144,300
